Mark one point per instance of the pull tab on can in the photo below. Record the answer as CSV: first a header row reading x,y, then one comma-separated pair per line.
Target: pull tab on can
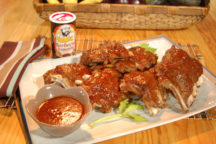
x,y
63,34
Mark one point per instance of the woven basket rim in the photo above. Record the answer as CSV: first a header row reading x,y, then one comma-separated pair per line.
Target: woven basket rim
x,y
122,8
37,2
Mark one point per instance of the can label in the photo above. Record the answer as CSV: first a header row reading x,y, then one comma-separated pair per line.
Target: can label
x,y
63,34
64,39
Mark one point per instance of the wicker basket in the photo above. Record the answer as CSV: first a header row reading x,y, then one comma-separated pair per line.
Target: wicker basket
x,y
127,16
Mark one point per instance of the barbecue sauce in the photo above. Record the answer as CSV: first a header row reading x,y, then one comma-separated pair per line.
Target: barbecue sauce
x,y
60,110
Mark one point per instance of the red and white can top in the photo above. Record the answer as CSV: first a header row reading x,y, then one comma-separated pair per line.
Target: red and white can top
x,y
62,17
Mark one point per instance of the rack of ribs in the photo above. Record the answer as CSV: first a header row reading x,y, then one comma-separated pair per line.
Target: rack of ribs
x,y
105,55
139,59
111,73
66,75
180,73
145,85
103,89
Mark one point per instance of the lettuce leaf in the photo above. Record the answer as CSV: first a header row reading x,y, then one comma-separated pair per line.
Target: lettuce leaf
x,y
132,107
148,48
126,110
123,105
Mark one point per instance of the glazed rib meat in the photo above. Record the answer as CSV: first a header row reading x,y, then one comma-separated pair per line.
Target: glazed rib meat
x,y
143,59
106,53
66,75
126,66
145,85
139,59
180,73
103,89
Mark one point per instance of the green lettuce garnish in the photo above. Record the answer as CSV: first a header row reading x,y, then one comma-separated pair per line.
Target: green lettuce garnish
x,y
148,48
127,110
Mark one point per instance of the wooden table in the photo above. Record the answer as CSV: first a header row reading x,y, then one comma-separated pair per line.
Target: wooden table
x,y
19,21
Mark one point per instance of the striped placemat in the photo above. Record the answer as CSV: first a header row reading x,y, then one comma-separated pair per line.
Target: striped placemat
x,y
15,57
192,49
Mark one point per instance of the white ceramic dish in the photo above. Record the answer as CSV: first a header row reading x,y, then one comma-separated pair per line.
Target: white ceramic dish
x,y
32,81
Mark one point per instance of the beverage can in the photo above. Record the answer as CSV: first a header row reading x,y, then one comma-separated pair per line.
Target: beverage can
x,y
63,34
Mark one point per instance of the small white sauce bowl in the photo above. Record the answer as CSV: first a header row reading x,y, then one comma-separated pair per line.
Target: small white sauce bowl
x,y
51,91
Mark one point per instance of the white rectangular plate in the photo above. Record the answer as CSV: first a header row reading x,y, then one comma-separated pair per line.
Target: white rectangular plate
x,y
32,80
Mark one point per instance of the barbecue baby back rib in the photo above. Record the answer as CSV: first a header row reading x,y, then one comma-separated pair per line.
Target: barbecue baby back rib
x,y
179,73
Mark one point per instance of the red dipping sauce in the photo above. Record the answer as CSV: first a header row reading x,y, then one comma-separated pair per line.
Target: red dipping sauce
x,y
60,110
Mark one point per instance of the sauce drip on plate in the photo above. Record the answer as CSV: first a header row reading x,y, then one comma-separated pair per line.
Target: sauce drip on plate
x,y
61,110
